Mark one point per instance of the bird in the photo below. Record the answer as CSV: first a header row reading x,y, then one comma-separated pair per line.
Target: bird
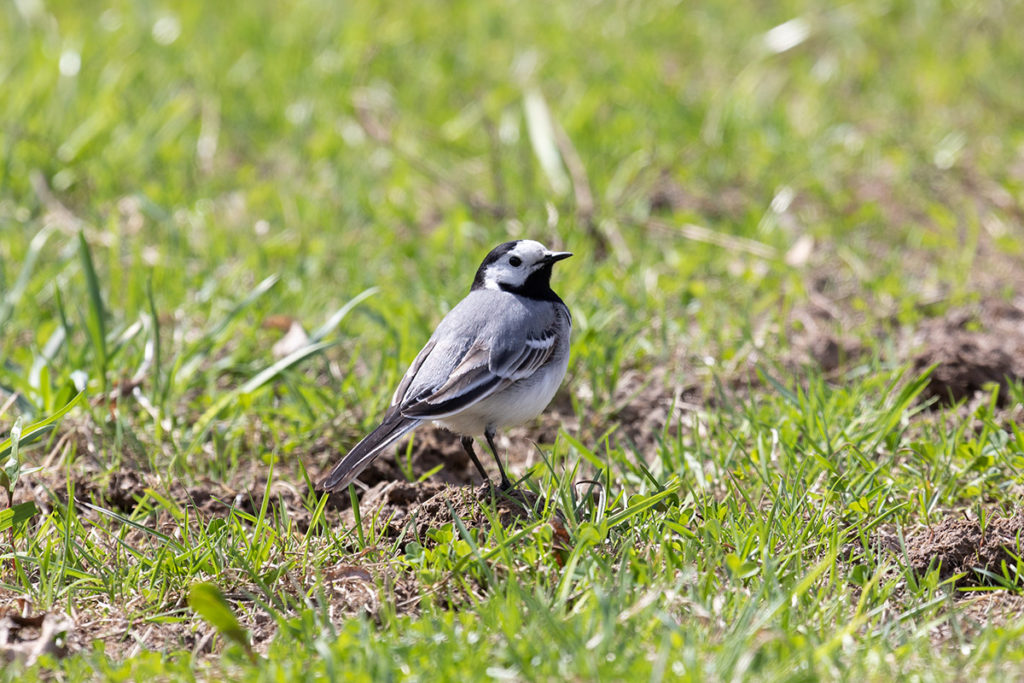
x,y
494,361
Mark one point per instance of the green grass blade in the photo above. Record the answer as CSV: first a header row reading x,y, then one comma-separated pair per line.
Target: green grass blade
x,y
96,322
261,378
339,315
207,601
17,514
12,297
35,430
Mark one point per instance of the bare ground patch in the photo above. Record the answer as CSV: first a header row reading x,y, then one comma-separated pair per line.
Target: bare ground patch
x,y
389,508
359,587
392,501
364,582
971,349
24,637
957,545
123,491
432,448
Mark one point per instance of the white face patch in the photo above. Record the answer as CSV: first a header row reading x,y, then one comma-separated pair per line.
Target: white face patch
x,y
515,266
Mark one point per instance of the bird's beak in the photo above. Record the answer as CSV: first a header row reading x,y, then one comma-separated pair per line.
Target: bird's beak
x,y
553,256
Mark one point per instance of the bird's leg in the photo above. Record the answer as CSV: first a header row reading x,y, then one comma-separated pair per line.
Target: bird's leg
x,y
467,443
506,485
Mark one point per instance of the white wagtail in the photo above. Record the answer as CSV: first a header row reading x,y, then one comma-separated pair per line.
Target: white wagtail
x,y
496,360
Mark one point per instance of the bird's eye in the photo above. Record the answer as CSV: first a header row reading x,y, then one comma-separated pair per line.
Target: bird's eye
x,y
515,261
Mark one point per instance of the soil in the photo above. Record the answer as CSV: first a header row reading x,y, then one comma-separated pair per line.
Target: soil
x,y
431,447
391,508
123,491
389,499
957,545
26,637
971,349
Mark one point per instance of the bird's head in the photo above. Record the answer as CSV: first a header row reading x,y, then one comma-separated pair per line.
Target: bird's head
x,y
521,267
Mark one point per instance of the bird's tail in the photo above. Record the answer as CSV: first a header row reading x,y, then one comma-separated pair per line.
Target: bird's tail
x,y
366,451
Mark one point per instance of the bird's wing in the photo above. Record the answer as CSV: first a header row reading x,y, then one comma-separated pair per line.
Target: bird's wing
x,y
403,386
482,370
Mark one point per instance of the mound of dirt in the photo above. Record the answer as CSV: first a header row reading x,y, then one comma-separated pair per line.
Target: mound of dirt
x,y
389,507
819,347
123,491
959,546
391,500
971,349
431,446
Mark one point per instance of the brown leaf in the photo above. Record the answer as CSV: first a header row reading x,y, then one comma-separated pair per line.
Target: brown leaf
x,y
26,638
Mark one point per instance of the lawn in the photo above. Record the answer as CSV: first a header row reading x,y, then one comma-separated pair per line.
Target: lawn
x,y
790,444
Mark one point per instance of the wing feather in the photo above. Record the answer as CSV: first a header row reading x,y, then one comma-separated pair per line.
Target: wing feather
x,y
403,386
481,372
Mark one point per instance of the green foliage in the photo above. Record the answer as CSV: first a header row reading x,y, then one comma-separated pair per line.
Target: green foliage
x,y
16,514
207,601
731,176
12,469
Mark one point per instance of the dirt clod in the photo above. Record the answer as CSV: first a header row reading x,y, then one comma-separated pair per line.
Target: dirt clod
x,y
391,506
971,349
958,545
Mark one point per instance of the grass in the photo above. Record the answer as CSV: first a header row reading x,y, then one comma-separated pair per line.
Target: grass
x,y
178,180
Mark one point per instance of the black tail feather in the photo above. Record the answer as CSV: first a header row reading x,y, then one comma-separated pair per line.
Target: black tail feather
x,y
366,451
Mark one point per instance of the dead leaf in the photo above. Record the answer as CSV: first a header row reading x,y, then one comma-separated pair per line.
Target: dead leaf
x,y
295,339
26,638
